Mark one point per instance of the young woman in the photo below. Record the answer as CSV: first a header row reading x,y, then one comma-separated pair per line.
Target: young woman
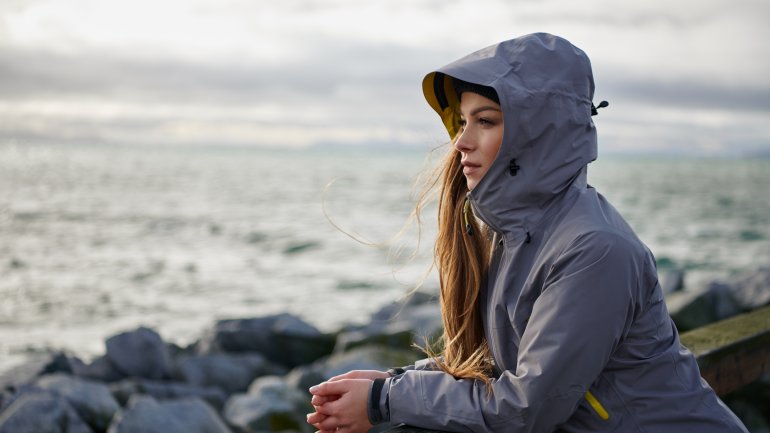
x,y
553,316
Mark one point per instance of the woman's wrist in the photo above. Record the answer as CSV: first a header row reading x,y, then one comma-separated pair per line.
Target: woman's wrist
x,y
373,402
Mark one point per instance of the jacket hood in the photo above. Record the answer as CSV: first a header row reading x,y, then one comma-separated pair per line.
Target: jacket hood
x,y
545,86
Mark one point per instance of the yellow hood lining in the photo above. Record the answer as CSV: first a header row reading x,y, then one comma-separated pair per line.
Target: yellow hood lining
x,y
440,94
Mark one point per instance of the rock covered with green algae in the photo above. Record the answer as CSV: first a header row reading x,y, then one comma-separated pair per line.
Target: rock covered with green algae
x,y
271,405
727,333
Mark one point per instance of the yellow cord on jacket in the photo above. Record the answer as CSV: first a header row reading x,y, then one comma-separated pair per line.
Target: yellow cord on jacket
x,y
597,406
466,211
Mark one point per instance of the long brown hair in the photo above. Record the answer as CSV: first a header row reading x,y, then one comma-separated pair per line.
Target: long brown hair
x,y
462,259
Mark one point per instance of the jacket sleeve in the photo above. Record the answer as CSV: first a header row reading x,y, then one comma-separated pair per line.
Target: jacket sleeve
x,y
584,310
422,364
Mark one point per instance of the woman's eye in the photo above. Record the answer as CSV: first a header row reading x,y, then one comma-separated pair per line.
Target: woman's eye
x,y
481,121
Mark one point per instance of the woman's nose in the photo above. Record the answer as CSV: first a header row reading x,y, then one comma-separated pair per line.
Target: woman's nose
x,y
464,143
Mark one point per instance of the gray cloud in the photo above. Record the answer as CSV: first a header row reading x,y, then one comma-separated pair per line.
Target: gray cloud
x,y
340,88
36,74
681,92
681,16
321,95
393,73
44,74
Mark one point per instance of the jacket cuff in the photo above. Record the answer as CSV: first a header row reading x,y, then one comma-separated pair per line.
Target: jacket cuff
x,y
377,404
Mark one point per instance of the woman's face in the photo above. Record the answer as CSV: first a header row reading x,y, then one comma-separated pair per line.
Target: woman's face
x,y
480,137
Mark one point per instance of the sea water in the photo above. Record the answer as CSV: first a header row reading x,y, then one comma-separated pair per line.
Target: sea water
x,y
95,240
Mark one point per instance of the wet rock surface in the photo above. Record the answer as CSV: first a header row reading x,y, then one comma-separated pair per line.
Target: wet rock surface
x,y
39,411
250,375
140,353
93,401
146,415
271,404
283,339
718,300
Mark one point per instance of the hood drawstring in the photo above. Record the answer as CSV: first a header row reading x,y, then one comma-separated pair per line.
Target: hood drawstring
x,y
595,109
466,210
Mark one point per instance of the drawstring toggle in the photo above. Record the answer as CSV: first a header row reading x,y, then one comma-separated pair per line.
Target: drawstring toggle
x,y
466,210
595,109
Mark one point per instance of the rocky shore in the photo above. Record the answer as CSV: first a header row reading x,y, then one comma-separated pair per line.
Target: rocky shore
x,y
252,375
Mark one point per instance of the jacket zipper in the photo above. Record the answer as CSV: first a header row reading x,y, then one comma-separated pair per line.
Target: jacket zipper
x,y
597,407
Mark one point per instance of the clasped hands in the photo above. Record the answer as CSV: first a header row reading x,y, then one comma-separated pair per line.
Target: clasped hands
x,y
340,402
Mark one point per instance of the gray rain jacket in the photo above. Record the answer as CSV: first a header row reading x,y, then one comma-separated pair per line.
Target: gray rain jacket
x,y
572,310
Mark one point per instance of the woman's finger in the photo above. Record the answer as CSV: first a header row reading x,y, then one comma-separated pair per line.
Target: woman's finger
x,y
323,399
336,388
315,418
325,408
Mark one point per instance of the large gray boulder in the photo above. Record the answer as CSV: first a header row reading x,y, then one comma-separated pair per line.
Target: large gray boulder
x,y
40,411
146,415
93,401
5,399
395,336
232,372
671,281
23,373
752,289
397,325
124,390
35,366
394,309
691,309
139,353
100,369
364,358
284,339
305,376
271,405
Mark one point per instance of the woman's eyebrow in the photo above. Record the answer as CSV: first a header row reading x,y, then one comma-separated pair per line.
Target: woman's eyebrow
x,y
478,110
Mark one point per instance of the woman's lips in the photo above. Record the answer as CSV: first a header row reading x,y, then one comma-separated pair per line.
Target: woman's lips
x,y
469,168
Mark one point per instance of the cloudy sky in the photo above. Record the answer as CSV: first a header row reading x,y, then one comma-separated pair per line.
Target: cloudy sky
x,y
682,77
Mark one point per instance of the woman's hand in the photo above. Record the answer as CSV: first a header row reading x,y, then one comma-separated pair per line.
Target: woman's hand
x,y
318,400
341,405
